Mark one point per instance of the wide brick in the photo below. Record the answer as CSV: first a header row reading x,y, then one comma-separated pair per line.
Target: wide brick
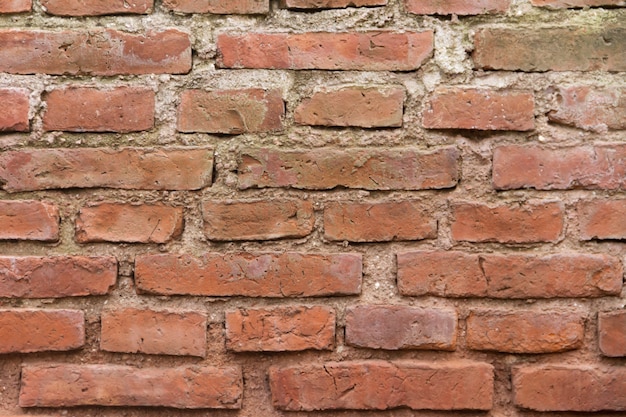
x,y
125,168
570,388
456,274
155,332
369,51
94,52
602,219
579,48
16,6
257,220
252,275
324,169
457,7
14,108
330,4
79,109
96,7
65,385
41,330
279,329
480,109
591,108
378,222
369,107
29,220
218,6
531,222
524,331
112,222
381,385
231,111
58,276
612,333
401,327
568,4
588,167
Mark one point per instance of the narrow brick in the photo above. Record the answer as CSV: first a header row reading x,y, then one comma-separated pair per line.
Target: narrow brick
x,y
612,333
456,7
252,275
329,4
381,385
124,168
400,327
57,276
65,385
324,169
154,332
104,52
280,329
570,4
16,6
14,108
602,219
218,6
591,108
29,220
30,330
96,7
369,51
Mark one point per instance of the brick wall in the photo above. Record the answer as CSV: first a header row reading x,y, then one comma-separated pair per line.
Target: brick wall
x,y
298,208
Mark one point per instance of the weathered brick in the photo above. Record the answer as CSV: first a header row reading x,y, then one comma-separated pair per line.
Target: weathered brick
x,y
371,51
591,108
602,219
16,6
14,108
31,330
218,6
456,274
381,385
531,222
252,275
80,109
94,52
570,388
57,276
231,111
612,333
568,4
125,168
400,327
257,220
588,167
457,7
154,332
369,107
330,4
65,385
378,222
579,48
324,169
96,7
480,109
279,329
116,222
29,220
524,331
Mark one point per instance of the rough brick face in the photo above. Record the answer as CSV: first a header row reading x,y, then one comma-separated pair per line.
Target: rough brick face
x,y
96,7
602,219
330,4
563,4
16,6
14,108
612,333
218,6
458,7
591,108
29,220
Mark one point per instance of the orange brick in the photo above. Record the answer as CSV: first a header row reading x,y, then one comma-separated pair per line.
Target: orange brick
x,y
96,7
14,108
29,220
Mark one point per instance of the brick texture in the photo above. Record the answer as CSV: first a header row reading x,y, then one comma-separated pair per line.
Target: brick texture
x,y
612,333
14,109
330,4
602,219
218,6
457,7
591,108
96,7
16,6
29,220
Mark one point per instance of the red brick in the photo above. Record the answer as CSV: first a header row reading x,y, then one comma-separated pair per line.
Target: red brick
x,y
400,327
577,48
154,332
29,220
280,329
121,109
218,6
370,51
587,167
602,219
568,4
369,107
456,274
57,276
16,6
570,388
95,52
324,169
112,222
480,109
96,7
458,7
591,108
41,330
231,111
257,220
14,108
124,168
330,4
612,333
525,331
528,223
252,275
65,385
378,222
381,385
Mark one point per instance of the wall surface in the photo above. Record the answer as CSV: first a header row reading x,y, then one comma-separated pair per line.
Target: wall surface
x,y
312,208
